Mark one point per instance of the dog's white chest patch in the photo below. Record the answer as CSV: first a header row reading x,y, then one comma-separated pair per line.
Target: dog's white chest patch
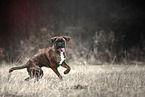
x,y
62,58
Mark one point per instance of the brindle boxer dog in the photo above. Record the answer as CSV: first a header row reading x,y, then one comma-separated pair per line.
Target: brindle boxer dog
x,y
53,57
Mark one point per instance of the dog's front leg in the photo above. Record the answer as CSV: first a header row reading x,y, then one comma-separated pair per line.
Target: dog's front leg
x,y
57,73
67,67
54,64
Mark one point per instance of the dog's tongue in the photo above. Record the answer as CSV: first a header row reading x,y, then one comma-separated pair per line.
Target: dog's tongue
x,y
62,49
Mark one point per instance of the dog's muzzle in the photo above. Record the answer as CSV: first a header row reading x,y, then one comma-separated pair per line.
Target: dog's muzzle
x,y
60,46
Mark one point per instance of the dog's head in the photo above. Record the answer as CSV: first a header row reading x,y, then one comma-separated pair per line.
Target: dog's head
x,y
60,42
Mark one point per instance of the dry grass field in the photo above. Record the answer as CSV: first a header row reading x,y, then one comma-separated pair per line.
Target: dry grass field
x,y
82,81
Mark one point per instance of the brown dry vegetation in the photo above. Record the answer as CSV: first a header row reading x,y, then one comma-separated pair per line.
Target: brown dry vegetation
x,y
83,81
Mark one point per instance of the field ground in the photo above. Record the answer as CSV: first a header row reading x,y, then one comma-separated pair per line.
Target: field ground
x,y
82,81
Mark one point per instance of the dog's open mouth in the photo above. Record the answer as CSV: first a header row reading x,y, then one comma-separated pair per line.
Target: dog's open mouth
x,y
61,49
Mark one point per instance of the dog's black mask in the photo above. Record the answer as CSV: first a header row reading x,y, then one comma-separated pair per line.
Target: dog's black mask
x,y
60,43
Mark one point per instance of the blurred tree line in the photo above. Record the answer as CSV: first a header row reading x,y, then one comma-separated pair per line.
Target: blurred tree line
x,y
104,30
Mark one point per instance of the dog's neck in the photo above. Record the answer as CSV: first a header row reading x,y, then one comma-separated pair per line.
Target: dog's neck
x,y
55,50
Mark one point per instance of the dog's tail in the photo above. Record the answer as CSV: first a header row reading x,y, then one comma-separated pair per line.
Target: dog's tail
x,y
17,67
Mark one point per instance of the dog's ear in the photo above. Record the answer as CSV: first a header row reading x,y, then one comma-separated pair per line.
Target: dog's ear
x,y
53,39
66,38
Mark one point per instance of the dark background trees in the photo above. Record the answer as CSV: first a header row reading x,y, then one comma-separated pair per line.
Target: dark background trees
x,y
105,29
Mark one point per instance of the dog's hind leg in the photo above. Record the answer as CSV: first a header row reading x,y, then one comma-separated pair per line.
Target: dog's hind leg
x,y
36,73
31,73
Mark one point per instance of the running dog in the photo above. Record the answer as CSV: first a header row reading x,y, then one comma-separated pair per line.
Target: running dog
x,y
52,58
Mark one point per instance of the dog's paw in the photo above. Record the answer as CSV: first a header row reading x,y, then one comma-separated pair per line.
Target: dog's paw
x,y
66,72
11,70
60,77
